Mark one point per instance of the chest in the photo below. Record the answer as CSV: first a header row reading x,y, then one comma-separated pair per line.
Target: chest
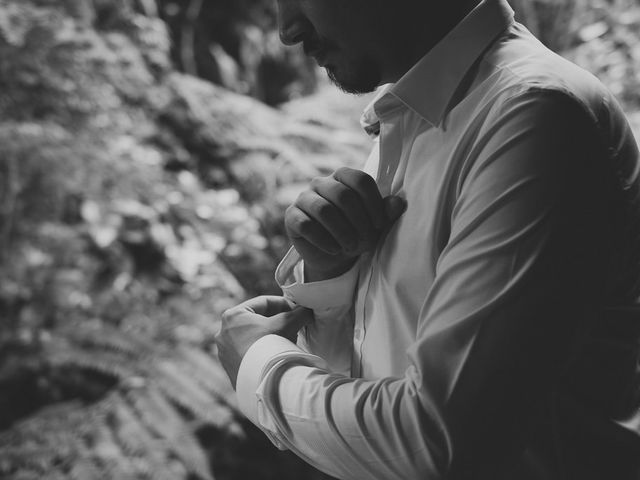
x,y
425,166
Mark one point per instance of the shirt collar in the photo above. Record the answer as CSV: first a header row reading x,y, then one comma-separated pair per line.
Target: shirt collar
x,y
430,85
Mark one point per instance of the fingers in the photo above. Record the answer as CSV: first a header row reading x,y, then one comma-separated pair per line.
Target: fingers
x,y
341,215
366,188
266,305
245,324
289,324
264,315
350,204
331,216
300,225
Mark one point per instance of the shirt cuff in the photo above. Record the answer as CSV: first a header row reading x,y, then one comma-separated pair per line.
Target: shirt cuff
x,y
266,358
334,292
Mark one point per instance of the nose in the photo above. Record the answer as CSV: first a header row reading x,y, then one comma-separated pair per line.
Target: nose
x,y
292,23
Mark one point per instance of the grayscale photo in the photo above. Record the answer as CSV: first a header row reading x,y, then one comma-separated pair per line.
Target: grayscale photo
x,y
319,240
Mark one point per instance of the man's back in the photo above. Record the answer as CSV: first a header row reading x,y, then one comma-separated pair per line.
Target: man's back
x,y
593,416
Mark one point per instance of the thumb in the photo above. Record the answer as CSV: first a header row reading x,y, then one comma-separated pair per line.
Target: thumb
x,y
266,305
289,323
394,207
299,317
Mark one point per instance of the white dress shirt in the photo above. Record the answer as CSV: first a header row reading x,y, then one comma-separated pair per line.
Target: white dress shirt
x,y
437,352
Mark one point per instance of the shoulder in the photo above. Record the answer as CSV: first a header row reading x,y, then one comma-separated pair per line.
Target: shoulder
x,y
523,69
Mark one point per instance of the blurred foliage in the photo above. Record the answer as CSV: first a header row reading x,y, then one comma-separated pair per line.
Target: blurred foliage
x,y
234,43
138,201
599,35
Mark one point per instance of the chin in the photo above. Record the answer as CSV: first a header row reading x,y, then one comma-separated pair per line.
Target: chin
x,y
355,81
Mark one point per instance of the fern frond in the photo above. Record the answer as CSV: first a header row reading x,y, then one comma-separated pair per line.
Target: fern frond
x,y
182,390
84,469
107,338
157,413
207,371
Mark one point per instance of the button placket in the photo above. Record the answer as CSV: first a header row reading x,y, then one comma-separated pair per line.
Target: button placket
x,y
363,288
390,153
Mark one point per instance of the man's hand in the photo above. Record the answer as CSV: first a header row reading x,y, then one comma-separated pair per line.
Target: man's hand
x,y
244,324
337,219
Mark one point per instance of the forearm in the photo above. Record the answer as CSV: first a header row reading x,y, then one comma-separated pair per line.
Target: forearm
x,y
348,428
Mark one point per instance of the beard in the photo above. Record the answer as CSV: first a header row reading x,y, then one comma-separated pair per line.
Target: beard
x,y
352,75
357,77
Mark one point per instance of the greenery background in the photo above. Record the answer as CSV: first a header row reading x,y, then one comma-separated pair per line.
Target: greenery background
x,y
148,149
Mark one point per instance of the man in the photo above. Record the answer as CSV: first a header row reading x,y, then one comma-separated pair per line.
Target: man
x,y
474,307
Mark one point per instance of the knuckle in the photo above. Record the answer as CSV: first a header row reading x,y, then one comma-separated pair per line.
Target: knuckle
x,y
305,198
346,197
294,220
305,227
342,172
324,209
290,214
317,182
362,180
230,314
226,315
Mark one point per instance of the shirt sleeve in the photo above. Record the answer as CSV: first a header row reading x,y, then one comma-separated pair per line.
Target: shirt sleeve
x,y
515,286
330,335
